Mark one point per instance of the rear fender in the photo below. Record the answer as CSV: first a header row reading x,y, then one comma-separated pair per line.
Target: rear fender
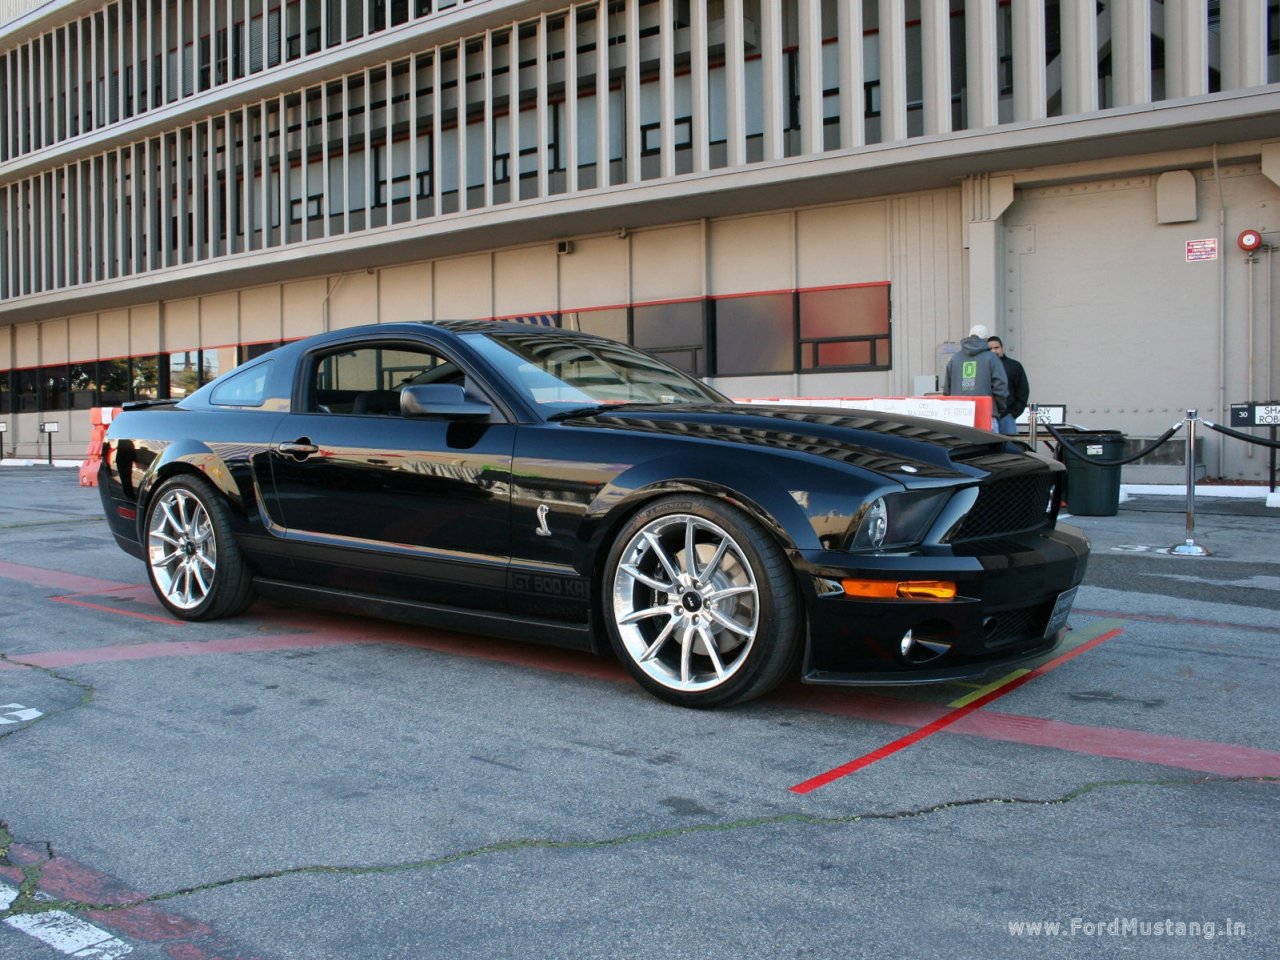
x,y
191,457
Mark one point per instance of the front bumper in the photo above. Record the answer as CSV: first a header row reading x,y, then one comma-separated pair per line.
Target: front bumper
x,y
1007,592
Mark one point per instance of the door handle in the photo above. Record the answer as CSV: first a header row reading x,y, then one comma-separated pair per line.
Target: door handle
x,y
300,448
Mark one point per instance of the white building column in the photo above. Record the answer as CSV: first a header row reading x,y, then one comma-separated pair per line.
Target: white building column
x,y
1244,44
1131,52
1079,58
1029,102
852,91
983,62
935,27
893,71
1186,49
810,28
986,198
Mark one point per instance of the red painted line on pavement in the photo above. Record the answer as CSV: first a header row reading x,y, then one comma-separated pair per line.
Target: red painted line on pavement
x,y
67,879
947,719
121,653
124,613
58,579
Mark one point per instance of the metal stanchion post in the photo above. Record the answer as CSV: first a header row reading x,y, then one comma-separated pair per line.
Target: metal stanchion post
x,y
1189,547
1033,421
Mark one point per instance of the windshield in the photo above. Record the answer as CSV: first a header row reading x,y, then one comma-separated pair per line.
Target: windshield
x,y
562,373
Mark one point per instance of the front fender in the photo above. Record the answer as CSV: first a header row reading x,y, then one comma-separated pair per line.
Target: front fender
x,y
802,506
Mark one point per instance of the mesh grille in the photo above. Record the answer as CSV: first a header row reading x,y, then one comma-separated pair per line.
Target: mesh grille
x,y
1008,505
1011,626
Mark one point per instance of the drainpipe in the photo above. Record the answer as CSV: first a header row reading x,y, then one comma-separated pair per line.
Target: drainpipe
x,y
1222,301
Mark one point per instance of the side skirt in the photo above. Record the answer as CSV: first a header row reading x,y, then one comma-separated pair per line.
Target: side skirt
x,y
573,636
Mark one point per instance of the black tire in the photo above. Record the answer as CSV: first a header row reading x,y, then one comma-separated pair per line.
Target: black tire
x,y
700,603
193,561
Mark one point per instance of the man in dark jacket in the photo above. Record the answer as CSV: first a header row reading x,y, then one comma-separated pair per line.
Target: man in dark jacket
x,y
974,371
1019,388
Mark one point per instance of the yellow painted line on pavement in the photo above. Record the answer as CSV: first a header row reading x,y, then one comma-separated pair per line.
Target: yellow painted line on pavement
x,y
1076,637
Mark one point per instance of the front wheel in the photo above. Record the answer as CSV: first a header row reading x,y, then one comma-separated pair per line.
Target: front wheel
x,y
700,603
193,561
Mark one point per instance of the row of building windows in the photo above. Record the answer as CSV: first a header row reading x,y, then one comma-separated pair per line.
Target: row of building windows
x,y
62,387
800,331
133,56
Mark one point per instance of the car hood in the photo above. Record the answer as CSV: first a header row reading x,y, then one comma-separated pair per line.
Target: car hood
x,y
881,442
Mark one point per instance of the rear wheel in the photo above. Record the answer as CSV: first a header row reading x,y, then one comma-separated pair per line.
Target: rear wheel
x,y
194,564
700,603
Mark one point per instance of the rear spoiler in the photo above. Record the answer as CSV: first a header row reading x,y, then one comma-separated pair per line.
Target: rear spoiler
x,y
144,404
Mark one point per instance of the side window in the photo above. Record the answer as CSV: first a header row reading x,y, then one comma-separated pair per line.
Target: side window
x,y
246,388
367,380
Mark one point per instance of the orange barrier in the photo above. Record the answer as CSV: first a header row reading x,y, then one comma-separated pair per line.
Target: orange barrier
x,y
970,411
100,418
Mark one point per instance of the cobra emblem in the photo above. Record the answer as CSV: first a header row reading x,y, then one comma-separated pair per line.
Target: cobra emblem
x,y
543,530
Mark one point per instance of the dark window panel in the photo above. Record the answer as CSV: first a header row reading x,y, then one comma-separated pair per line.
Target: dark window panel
x,y
755,335
676,332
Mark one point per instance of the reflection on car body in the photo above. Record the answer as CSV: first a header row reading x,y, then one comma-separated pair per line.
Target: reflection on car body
x,y
564,488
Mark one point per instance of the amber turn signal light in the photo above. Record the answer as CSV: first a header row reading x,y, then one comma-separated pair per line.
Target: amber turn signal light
x,y
900,589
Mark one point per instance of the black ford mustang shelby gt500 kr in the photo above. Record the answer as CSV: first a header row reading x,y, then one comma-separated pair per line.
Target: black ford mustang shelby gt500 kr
x,y
561,487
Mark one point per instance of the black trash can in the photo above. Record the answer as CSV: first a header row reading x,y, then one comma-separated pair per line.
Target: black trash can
x,y
1093,490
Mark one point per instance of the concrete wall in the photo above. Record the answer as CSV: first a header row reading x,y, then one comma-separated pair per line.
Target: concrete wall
x,y
1109,317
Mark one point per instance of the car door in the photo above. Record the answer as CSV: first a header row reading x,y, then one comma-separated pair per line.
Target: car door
x,y
413,508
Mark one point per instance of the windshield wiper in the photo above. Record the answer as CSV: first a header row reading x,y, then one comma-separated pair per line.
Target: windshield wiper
x,y
602,408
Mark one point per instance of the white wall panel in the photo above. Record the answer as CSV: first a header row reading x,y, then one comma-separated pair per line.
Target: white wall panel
x,y
144,329
404,293
667,264
113,334
82,338
27,345
752,254
260,314
220,319
303,307
524,281
53,341
353,299
181,325
595,274
844,244
464,288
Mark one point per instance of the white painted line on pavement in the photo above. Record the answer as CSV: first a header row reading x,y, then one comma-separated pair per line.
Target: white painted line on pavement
x,y
63,932
17,713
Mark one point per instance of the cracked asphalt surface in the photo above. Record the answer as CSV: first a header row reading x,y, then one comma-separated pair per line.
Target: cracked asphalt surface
x,y
294,785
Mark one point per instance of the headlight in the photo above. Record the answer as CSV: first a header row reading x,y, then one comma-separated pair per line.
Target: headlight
x,y
896,519
872,527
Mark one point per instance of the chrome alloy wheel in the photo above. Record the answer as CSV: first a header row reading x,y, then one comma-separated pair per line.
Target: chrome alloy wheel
x,y
686,603
181,549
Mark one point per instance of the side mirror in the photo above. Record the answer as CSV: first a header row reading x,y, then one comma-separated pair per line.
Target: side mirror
x,y
446,400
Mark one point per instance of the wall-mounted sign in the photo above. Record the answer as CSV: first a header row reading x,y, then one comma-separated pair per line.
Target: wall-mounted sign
x,y
1202,250
1052,413
1255,414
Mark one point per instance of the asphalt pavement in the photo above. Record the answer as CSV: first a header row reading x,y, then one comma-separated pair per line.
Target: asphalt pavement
x,y
293,784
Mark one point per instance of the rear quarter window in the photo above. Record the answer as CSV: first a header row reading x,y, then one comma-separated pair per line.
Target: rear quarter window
x,y
244,388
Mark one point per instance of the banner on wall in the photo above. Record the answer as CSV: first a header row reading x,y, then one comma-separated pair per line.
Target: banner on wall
x,y
963,411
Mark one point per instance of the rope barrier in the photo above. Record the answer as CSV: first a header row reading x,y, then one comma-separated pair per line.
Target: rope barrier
x,y
1075,452
1227,431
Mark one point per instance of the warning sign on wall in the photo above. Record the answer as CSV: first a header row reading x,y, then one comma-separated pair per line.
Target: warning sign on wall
x,y
1202,249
